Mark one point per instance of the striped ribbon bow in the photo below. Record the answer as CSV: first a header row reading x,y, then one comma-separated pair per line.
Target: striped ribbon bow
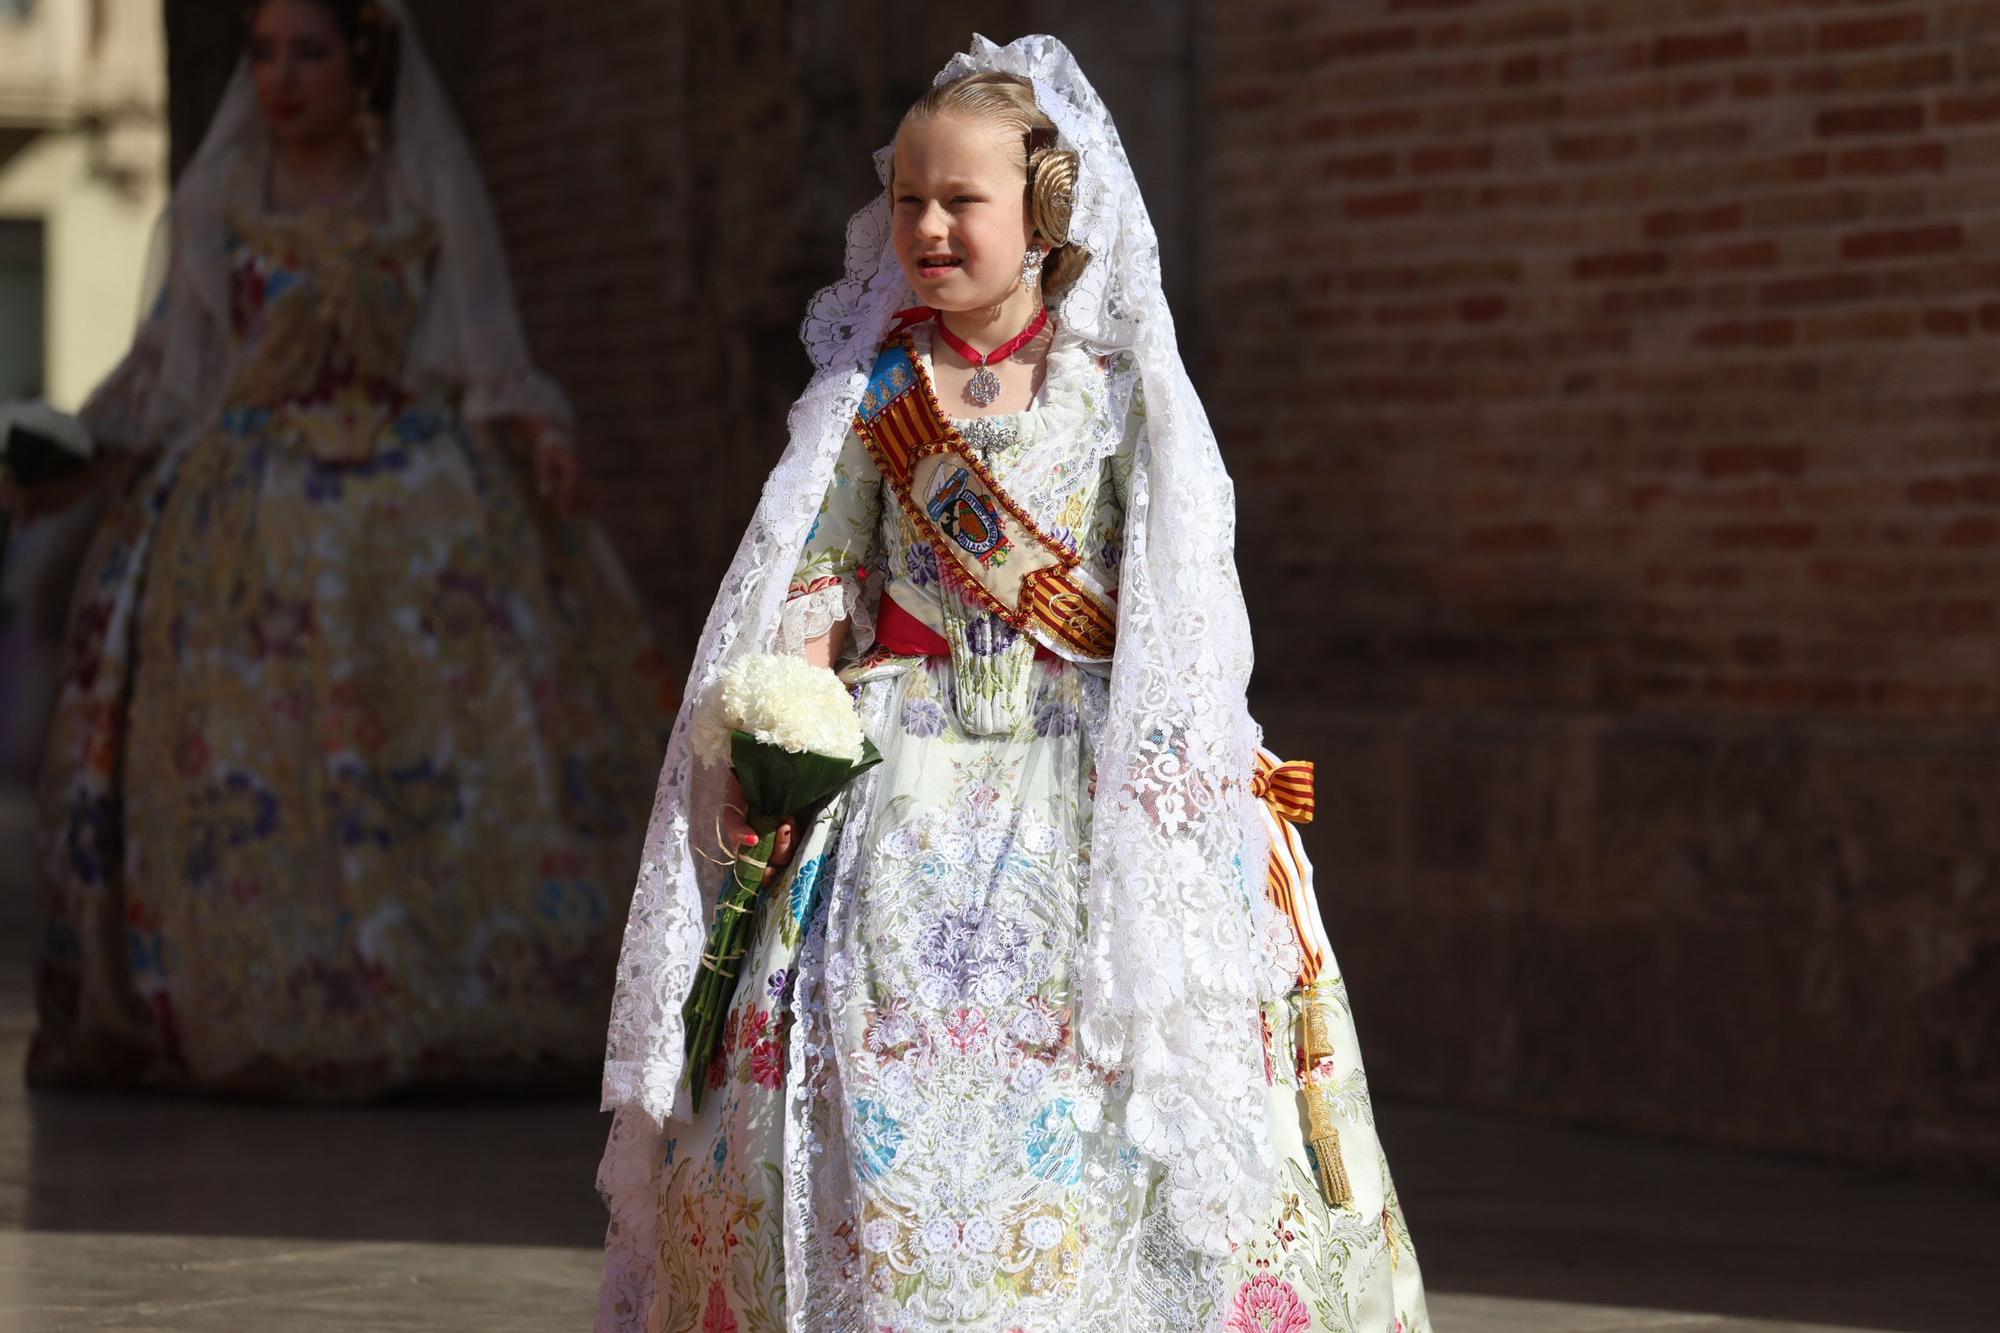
x,y
1286,787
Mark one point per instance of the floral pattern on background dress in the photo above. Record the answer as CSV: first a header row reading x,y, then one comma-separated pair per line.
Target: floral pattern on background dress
x,y
355,747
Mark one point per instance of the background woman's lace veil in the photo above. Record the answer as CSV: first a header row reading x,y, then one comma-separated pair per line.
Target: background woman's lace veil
x,y
469,343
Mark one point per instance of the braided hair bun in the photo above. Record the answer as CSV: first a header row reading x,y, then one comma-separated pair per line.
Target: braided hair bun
x,y
1052,172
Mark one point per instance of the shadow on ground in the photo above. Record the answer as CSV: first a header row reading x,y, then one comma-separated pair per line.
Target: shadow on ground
x,y
1509,1208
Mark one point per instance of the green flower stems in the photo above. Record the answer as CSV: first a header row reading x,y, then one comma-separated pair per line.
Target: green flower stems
x,y
778,784
722,957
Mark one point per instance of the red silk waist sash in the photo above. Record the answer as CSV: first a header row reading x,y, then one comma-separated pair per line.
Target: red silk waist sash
x,y
899,632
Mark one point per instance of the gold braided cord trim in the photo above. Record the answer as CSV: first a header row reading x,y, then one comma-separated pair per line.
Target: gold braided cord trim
x,y
1317,1043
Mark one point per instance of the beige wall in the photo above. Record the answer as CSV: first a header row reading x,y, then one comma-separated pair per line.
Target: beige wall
x,y
83,148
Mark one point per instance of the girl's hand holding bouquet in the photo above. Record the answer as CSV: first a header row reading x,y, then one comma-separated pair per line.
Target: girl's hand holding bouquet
x,y
790,734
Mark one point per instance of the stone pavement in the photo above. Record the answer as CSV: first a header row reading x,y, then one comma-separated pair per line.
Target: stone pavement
x,y
182,1216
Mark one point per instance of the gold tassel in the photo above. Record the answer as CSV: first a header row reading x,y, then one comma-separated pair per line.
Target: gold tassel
x,y
1322,1124
1318,1025
1324,1136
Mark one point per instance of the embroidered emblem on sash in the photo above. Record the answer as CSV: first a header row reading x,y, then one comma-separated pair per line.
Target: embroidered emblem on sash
x,y
967,517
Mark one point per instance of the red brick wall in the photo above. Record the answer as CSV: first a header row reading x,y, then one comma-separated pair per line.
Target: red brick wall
x,y
585,146
1612,389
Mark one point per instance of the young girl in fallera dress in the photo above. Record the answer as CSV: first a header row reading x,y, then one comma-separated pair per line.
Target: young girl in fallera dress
x,y
1038,1032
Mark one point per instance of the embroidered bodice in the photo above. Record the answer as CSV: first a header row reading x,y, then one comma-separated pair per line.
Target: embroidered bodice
x,y
1066,459
322,309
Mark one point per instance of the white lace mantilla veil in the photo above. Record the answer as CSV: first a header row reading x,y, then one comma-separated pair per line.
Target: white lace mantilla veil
x,y
469,342
1182,948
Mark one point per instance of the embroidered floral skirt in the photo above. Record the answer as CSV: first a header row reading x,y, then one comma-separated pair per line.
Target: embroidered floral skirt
x,y
347,778
900,1132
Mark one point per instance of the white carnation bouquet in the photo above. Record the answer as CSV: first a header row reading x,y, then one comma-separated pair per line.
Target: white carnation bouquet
x,y
790,731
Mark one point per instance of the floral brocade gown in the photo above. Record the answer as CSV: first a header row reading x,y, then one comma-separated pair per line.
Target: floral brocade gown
x,y
901,1133
355,746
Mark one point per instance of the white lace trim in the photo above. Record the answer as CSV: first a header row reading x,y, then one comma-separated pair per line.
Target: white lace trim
x,y
811,614
525,394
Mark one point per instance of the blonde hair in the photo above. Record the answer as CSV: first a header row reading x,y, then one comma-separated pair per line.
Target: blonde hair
x,y
1009,100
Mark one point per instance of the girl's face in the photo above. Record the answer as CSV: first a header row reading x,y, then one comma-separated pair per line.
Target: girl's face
x,y
302,72
961,211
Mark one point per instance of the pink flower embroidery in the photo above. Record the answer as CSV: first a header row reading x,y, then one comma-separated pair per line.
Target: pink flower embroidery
x,y
717,1317
767,1064
1267,1304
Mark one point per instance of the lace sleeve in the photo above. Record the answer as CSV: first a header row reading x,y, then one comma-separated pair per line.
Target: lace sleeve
x,y
827,585
526,393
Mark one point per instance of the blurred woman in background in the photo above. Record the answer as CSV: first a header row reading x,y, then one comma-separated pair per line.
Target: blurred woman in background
x,y
356,739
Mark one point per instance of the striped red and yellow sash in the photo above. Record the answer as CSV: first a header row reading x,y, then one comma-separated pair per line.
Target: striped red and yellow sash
x,y
990,548
1287,792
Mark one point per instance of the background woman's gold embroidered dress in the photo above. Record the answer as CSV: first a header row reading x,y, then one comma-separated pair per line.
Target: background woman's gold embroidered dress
x,y
901,1109
355,744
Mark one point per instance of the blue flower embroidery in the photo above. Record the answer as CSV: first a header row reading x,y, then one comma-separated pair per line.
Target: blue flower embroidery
x,y
324,483
572,901
96,836
414,426
881,1137
1055,1149
245,421
804,884
149,953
